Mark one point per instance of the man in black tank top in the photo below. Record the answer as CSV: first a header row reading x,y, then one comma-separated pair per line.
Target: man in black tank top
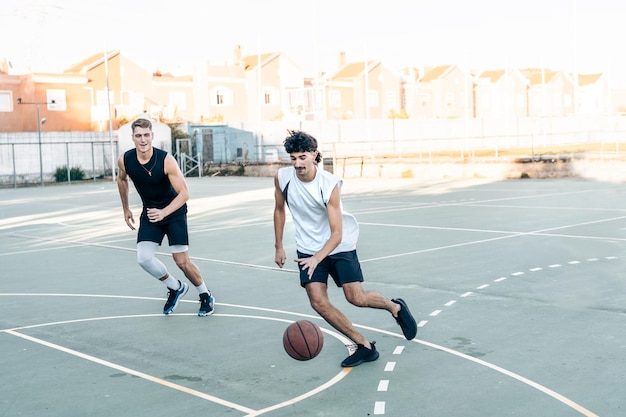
x,y
164,194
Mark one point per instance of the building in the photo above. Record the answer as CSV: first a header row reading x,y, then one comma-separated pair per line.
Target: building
x,y
443,92
362,90
501,94
550,93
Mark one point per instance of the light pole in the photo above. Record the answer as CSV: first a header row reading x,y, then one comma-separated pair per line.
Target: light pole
x,y
39,123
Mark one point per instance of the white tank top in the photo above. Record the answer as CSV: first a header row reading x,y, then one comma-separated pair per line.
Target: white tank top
x,y
307,205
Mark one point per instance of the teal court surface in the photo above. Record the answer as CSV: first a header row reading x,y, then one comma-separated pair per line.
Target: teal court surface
x,y
519,289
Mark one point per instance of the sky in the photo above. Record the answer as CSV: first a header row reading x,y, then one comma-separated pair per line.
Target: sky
x,y
580,36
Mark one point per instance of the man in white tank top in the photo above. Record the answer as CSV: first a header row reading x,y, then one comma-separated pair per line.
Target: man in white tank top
x,y
326,239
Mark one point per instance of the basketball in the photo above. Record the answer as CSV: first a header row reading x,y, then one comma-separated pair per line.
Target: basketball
x,y
303,340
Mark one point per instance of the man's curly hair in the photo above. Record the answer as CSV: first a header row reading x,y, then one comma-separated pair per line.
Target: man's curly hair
x,y
299,141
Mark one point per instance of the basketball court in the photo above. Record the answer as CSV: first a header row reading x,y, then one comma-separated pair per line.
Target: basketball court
x,y
519,289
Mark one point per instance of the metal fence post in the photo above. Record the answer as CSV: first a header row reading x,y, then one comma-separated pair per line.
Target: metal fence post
x,y
14,168
67,159
93,163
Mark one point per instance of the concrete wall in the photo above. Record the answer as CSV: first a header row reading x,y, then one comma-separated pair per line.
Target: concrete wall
x,y
610,170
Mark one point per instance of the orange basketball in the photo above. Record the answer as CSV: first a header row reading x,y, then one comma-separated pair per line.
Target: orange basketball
x,y
303,340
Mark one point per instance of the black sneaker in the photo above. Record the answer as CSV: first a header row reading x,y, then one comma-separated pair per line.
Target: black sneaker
x,y
361,355
206,304
405,320
174,296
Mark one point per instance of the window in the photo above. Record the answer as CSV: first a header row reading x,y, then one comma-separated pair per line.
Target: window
x,y
6,104
101,98
56,100
300,100
270,96
334,99
221,96
424,100
132,99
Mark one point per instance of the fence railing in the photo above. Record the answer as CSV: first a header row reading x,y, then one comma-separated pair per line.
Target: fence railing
x,y
423,141
20,164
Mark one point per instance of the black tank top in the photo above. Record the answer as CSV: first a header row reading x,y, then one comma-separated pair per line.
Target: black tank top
x,y
151,182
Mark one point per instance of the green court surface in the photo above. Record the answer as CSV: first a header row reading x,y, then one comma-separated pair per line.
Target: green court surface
x,y
519,289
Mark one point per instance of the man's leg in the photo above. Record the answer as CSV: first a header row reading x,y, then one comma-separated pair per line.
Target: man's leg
x,y
366,351
356,295
146,259
193,274
191,271
318,297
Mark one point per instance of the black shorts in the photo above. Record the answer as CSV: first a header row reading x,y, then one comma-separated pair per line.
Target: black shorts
x,y
344,267
175,228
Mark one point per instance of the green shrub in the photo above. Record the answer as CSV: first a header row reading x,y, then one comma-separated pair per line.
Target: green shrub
x,y
76,174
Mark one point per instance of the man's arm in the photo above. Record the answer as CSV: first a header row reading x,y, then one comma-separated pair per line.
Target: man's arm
x,y
122,187
179,184
279,224
336,231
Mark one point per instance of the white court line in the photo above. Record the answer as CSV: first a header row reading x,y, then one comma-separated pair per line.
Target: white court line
x,y
478,202
398,350
77,243
535,385
390,366
132,372
582,410
250,412
509,235
541,388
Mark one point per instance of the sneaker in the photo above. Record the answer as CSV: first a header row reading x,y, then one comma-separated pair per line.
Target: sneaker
x,y
405,320
174,296
361,355
206,304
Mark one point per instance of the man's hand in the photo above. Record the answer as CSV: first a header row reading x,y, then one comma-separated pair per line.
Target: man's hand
x,y
308,264
155,215
280,257
130,220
